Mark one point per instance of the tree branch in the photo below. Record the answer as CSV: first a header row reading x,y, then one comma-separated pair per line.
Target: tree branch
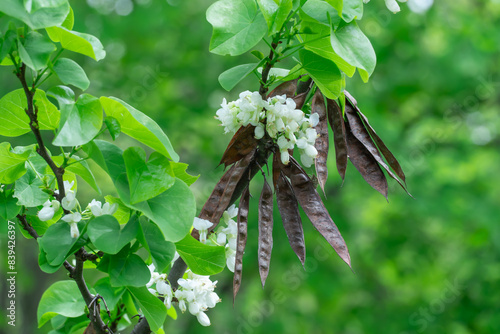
x,y
81,255
265,71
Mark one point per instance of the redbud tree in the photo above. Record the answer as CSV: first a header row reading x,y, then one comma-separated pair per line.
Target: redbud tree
x,y
156,250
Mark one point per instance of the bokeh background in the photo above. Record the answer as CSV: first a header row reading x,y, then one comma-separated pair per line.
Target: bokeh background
x,y
424,265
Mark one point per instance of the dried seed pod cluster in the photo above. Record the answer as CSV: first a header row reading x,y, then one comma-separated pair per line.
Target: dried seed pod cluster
x,y
353,138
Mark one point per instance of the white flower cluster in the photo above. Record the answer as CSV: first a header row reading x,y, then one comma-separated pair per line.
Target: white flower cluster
x,y
195,293
392,5
69,202
228,236
277,116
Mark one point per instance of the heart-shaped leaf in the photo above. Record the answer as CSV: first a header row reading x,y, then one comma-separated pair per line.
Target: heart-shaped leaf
x,y
107,235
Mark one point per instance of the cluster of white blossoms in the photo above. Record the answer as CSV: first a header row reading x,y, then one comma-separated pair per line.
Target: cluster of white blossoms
x,y
225,235
392,5
69,203
277,116
195,293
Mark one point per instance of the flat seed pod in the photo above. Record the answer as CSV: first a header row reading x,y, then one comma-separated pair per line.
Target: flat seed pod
x,y
265,231
321,144
241,167
314,208
365,163
241,240
242,143
300,100
339,136
391,159
287,88
212,202
359,131
290,216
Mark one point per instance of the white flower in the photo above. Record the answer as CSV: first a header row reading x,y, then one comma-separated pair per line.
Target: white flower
x,y
98,209
202,226
69,201
285,157
203,319
48,210
392,5
72,217
231,212
164,289
259,131
230,259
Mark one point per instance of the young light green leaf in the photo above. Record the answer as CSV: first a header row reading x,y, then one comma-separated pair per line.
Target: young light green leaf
x,y
13,119
80,122
28,190
139,126
162,251
70,73
200,258
349,42
78,42
179,169
127,269
337,4
275,12
62,297
37,14
152,308
230,78
238,26
147,179
69,21
35,51
107,235
324,73
12,162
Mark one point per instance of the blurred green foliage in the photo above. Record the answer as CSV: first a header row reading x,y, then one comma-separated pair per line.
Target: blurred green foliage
x,y
424,265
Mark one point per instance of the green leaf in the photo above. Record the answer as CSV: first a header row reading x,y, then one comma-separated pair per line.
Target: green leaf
x,y
173,210
352,9
62,297
319,11
70,73
36,50
275,13
139,126
200,258
238,26
147,179
129,269
37,14
162,251
12,162
79,167
152,308
113,126
13,119
69,22
44,264
349,42
106,233
324,73
28,190
230,78
57,242
8,205
78,42
337,4
80,121
9,40
323,47
39,226
110,294
179,169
